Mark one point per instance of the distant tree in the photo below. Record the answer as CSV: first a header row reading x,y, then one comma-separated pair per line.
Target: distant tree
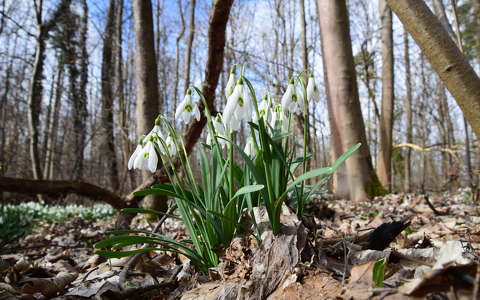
x,y
346,121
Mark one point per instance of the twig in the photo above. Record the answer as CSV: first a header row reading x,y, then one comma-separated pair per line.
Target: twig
x,y
435,211
477,283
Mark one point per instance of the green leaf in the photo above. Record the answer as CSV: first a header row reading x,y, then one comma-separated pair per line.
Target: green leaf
x,y
120,254
310,174
344,156
379,272
248,189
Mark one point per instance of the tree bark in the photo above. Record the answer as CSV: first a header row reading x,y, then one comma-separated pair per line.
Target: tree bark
x,y
444,56
407,184
146,79
107,149
189,45
60,187
177,57
344,105
386,117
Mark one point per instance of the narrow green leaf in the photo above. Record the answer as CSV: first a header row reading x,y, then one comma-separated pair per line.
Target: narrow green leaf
x,y
379,272
248,189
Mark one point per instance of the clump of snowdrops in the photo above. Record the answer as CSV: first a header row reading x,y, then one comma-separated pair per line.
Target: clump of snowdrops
x,y
212,206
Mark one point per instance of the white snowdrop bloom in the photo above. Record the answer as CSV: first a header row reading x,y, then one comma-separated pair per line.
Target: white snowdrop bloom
x,y
250,147
171,147
187,109
279,115
219,131
230,83
312,89
138,151
291,101
238,108
264,110
147,159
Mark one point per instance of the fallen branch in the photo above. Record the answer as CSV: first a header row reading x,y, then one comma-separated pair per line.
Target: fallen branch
x,y
61,187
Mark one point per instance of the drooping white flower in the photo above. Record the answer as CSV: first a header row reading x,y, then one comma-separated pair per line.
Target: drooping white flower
x,y
219,131
278,116
138,151
250,147
264,109
171,148
238,108
147,159
312,89
187,109
230,83
291,102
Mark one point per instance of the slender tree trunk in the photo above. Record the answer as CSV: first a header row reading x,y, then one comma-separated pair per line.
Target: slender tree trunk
x,y
344,105
53,124
107,149
146,78
407,184
189,44
177,57
386,118
444,56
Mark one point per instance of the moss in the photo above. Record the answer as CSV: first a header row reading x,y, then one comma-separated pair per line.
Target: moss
x,y
375,188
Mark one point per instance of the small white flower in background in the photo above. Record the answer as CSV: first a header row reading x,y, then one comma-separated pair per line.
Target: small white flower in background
x,y
250,147
147,158
279,115
264,109
230,83
312,89
187,109
219,130
291,101
170,144
238,108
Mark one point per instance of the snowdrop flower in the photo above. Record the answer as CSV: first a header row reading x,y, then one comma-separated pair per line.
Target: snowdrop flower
x,y
279,115
230,83
219,131
291,101
147,159
171,148
238,108
312,89
264,109
250,147
138,151
187,109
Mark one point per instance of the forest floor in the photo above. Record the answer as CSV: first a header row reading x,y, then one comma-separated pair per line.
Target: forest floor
x,y
327,255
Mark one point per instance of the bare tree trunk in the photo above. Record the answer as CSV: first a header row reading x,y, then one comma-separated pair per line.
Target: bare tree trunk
x,y
36,86
81,122
346,115
146,78
189,44
386,118
407,184
107,149
177,57
53,124
444,56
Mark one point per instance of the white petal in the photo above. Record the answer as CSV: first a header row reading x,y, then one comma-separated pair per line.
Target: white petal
x,y
230,85
137,151
152,158
287,97
196,112
229,109
181,106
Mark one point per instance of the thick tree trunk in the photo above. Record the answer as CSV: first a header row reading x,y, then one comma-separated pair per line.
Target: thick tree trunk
x,y
407,184
146,79
107,149
444,56
344,104
386,117
177,57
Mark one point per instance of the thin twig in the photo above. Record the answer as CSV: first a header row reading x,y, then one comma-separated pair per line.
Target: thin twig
x,y
435,211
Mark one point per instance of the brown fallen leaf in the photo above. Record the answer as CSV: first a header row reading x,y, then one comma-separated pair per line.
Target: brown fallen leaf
x,y
362,273
47,286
